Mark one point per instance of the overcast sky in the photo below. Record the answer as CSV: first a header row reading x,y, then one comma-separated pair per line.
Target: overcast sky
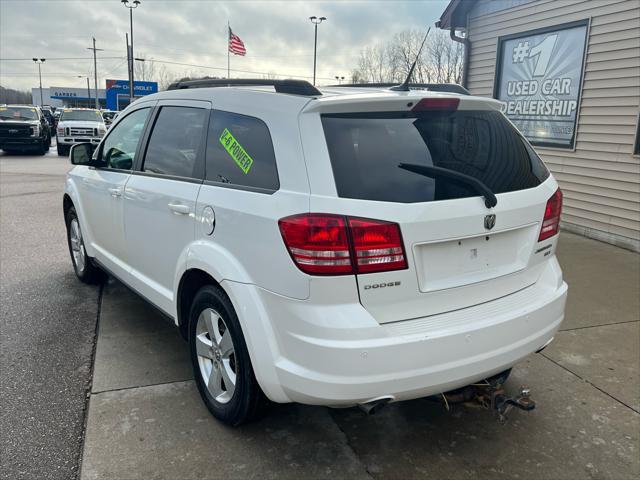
x,y
278,36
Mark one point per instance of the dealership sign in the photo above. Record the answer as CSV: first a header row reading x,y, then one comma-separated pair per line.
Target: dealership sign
x,y
119,89
539,76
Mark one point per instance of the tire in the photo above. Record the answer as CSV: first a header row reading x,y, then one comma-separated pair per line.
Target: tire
x,y
62,151
83,265
212,316
42,148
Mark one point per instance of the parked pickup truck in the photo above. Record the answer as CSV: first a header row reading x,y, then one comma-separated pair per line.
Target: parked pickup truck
x,y
23,127
79,125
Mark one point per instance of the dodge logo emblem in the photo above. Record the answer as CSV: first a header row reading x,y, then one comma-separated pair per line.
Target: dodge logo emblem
x,y
489,221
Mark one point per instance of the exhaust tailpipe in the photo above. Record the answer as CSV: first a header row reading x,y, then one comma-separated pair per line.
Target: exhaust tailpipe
x,y
374,406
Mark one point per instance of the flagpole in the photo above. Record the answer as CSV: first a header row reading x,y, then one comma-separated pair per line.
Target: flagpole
x,y
228,54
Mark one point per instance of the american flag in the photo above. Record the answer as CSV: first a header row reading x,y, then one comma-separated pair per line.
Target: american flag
x,y
235,44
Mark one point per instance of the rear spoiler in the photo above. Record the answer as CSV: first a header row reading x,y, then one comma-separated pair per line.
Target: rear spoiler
x,y
433,87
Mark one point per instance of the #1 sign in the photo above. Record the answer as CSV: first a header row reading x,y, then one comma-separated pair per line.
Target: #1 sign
x,y
539,78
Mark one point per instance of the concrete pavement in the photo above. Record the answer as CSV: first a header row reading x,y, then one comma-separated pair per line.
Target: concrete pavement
x,y
145,420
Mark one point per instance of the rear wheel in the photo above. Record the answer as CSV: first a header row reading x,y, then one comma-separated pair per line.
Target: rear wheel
x,y
85,270
220,359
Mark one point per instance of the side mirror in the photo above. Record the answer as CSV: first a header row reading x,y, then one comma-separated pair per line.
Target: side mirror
x,y
80,154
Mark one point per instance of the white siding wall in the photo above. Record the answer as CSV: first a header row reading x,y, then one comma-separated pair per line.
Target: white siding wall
x,y
601,178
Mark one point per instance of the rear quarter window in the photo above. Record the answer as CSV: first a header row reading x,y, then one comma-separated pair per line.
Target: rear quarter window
x,y
240,153
366,149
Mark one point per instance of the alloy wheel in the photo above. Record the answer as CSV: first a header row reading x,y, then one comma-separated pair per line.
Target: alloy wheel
x,y
77,245
216,355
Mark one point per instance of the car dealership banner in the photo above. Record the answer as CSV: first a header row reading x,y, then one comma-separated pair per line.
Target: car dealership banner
x,y
539,77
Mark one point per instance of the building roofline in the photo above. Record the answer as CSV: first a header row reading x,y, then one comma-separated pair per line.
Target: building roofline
x,y
455,15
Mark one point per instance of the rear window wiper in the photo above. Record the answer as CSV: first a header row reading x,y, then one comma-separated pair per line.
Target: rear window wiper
x,y
490,199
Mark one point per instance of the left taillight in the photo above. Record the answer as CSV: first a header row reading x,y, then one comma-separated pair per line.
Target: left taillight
x,y
327,244
551,220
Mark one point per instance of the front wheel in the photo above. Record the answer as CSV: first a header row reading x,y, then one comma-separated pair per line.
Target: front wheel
x,y
220,359
62,150
85,270
42,148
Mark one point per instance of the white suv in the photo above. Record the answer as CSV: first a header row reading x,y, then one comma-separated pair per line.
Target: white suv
x,y
336,247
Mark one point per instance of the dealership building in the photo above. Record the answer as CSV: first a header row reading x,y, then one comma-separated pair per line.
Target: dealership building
x,y
114,97
569,76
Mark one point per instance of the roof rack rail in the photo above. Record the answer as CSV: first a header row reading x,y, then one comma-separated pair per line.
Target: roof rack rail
x,y
434,87
293,87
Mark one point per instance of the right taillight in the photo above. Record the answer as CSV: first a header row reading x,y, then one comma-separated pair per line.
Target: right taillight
x,y
326,244
551,220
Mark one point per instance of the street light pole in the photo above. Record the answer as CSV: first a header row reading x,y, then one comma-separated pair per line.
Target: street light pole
x,y
134,4
316,21
339,79
141,60
42,60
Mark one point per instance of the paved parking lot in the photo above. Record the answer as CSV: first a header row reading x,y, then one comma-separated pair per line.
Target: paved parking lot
x,y
47,325
145,419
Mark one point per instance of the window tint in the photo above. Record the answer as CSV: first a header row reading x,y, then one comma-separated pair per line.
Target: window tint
x,y
175,141
366,149
240,152
119,148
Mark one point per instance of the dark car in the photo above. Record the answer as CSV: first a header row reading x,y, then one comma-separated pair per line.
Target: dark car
x,y
24,127
48,115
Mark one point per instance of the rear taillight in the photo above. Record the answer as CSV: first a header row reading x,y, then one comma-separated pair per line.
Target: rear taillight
x,y
325,244
551,220
377,245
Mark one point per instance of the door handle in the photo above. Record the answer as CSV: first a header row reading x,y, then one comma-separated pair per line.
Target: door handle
x,y
179,209
115,191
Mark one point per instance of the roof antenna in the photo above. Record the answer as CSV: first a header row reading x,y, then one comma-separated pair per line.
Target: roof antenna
x,y
404,87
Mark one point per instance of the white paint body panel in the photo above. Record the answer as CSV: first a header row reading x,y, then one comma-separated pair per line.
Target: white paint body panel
x,y
328,340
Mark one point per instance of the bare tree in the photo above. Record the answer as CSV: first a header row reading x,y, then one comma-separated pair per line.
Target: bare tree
x,y
9,95
390,61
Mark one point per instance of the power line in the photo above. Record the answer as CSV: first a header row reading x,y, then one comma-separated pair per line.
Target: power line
x,y
58,58
234,70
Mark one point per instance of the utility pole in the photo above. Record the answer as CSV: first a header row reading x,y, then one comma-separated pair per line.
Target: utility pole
x,y
42,60
134,4
95,70
88,89
316,21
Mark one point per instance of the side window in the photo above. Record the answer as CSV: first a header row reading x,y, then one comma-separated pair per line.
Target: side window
x,y
175,141
240,152
119,148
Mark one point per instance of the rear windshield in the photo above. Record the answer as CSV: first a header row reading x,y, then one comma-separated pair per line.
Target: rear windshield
x,y
366,150
81,115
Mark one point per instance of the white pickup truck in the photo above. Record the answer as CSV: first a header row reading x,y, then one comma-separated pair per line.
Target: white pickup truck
x,y
79,125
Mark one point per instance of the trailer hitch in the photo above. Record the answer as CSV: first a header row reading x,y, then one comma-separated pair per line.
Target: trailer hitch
x,y
495,399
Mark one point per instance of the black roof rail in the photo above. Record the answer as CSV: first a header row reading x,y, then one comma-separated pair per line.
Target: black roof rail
x,y
433,87
293,87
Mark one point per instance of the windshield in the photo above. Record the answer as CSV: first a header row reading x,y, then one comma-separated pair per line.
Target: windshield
x,y
367,149
81,115
18,113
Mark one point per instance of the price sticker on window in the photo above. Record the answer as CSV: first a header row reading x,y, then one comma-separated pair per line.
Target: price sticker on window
x,y
235,151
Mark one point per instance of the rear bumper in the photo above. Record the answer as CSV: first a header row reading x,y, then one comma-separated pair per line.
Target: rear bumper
x,y
300,354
